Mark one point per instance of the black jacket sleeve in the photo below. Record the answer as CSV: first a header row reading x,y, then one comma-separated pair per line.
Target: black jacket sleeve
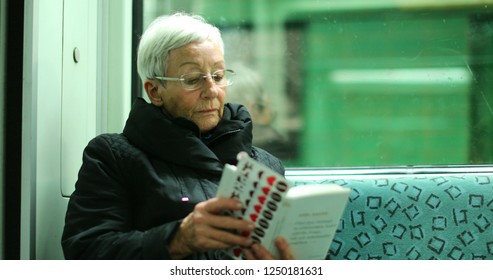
x,y
98,222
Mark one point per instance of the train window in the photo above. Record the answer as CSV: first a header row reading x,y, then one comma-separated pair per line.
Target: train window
x,y
359,83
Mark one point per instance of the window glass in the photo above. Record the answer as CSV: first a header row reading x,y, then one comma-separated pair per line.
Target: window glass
x,y
359,83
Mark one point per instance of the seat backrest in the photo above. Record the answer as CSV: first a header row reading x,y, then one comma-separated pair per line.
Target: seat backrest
x,y
411,216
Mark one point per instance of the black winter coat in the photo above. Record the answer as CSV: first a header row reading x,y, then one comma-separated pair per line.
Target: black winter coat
x,y
134,188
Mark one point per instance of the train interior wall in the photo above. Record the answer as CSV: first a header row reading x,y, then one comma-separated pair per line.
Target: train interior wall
x,y
70,82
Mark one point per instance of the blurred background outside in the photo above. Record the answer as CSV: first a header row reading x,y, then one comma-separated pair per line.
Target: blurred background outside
x,y
360,83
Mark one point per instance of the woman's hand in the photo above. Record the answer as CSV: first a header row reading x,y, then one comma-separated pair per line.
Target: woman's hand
x,y
205,228
258,252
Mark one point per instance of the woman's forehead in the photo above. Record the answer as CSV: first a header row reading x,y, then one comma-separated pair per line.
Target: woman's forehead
x,y
200,54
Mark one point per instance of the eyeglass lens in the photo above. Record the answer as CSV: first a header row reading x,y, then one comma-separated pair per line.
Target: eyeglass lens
x,y
221,78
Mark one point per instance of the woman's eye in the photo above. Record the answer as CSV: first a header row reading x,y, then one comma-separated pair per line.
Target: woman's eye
x,y
192,81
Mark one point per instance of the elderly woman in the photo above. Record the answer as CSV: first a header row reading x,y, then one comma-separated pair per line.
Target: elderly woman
x,y
149,193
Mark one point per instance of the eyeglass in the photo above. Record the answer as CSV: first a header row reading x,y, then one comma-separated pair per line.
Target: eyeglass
x,y
195,80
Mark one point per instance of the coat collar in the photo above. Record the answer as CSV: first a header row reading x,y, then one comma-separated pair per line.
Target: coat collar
x,y
178,140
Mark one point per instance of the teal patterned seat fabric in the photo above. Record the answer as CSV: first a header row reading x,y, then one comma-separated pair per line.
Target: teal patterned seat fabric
x,y
414,217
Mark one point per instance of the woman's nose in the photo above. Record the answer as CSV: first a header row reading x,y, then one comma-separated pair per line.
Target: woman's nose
x,y
210,89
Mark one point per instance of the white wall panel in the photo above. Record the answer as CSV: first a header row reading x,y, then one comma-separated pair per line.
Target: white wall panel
x,y
58,116
119,65
49,205
78,85
66,102
42,206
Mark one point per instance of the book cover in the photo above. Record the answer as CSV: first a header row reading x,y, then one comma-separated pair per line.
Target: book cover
x,y
307,216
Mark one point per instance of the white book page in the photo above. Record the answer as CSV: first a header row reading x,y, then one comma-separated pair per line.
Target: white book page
x,y
312,216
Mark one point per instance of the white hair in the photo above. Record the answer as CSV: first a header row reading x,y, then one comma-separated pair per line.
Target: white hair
x,y
167,33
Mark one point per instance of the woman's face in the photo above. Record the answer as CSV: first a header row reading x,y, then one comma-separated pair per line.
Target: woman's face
x,y
203,106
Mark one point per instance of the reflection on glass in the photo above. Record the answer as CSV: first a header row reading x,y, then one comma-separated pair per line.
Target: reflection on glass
x,y
353,84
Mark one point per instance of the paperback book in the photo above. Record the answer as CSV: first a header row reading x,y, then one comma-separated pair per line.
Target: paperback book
x,y
307,216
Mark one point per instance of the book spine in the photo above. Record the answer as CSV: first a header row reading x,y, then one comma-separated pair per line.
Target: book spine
x,y
228,187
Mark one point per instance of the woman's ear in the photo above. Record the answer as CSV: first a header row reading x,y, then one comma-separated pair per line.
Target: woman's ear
x,y
152,89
